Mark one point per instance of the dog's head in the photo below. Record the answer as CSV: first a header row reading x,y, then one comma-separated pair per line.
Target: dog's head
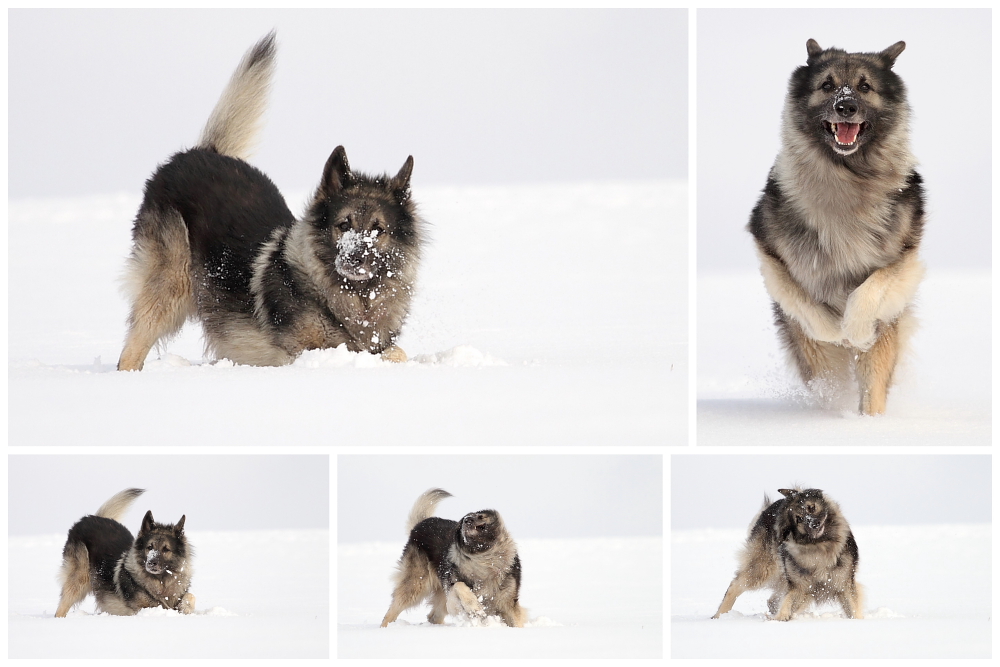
x,y
480,531
807,513
161,547
369,224
847,99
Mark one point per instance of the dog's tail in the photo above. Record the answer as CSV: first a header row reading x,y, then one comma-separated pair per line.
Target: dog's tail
x,y
232,128
118,504
425,506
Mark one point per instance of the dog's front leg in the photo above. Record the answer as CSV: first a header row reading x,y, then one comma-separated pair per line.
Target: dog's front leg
x,y
818,321
461,600
882,297
186,605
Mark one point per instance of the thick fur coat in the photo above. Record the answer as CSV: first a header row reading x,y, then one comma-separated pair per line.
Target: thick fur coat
x,y
214,241
468,568
802,549
126,574
839,224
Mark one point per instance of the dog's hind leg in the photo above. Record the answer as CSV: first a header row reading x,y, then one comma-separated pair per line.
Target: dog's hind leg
x,y
794,601
75,578
415,582
875,369
736,588
158,283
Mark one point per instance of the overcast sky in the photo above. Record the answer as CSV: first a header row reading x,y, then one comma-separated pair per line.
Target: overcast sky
x,y
726,491
744,60
48,494
562,496
97,98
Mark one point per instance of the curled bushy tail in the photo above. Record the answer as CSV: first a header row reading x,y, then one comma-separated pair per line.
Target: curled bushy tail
x,y
116,506
232,128
425,506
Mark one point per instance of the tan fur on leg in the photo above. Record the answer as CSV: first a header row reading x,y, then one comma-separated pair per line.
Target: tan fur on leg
x,y
186,605
818,321
394,354
75,579
415,582
461,600
882,297
812,358
158,279
875,369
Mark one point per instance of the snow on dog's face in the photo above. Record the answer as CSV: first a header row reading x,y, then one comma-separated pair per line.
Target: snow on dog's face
x,y
161,548
807,513
847,99
368,223
478,531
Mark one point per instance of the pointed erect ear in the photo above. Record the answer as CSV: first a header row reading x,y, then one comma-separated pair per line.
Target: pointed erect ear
x,y
179,526
401,181
147,522
788,493
813,49
337,173
890,54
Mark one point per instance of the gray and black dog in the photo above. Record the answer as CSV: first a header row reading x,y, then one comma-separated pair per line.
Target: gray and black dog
x,y
839,223
214,241
466,568
802,549
126,574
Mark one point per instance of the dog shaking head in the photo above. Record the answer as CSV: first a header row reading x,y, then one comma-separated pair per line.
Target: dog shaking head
x,y
480,530
807,512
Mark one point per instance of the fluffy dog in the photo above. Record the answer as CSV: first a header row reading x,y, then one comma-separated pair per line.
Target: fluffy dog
x,y
802,549
839,224
464,568
214,241
126,574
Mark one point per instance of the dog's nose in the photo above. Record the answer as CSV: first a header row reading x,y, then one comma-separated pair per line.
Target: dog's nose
x,y
846,107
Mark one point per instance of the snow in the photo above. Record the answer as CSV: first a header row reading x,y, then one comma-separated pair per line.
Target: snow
x,y
927,595
260,594
544,314
586,598
748,395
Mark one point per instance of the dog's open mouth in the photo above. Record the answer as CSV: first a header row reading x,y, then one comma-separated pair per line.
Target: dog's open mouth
x,y
845,135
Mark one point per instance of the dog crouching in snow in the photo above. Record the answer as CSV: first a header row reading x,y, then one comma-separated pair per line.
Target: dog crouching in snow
x,y
125,574
467,568
802,549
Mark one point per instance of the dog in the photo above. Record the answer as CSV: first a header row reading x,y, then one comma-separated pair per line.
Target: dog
x,y
839,222
464,568
802,549
214,241
125,574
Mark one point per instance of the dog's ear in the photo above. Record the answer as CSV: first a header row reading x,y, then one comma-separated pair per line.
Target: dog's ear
x,y
179,526
788,493
889,55
813,49
147,522
401,182
337,172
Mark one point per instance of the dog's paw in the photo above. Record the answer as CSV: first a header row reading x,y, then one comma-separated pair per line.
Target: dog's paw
x,y
860,333
394,354
187,604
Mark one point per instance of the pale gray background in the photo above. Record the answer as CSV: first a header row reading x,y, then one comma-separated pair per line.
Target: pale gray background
x,y
538,496
744,60
726,491
97,98
48,494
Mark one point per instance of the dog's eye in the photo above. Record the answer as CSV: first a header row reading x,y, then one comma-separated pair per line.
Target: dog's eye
x,y
827,85
165,550
345,226
864,87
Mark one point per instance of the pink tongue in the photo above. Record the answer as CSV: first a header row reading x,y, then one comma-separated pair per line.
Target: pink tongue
x,y
847,132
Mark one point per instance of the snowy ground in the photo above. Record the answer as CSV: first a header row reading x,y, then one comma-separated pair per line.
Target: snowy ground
x,y
927,595
748,396
593,598
259,595
551,314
